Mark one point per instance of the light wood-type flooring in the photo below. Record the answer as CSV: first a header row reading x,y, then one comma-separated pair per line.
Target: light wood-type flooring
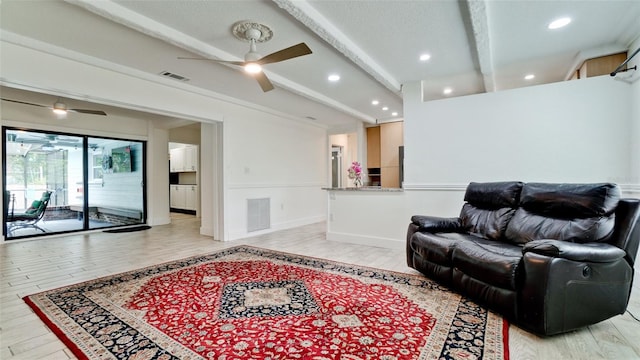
x,y
32,266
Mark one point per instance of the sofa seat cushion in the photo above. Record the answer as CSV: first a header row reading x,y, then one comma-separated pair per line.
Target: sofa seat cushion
x,y
495,263
436,247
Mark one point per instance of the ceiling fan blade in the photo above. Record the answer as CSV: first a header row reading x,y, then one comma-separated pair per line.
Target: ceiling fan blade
x,y
25,103
81,111
88,111
264,82
239,63
286,54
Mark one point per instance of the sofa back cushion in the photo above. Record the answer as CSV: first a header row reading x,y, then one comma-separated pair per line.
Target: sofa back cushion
x,y
489,208
526,226
569,201
493,195
490,224
571,212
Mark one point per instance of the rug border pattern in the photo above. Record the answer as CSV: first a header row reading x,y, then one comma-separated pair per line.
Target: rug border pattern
x,y
491,348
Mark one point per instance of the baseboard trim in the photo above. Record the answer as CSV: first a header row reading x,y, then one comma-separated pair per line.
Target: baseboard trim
x,y
206,231
240,234
386,243
182,211
159,221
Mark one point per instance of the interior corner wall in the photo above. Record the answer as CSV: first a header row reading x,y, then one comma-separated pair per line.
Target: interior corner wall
x,y
269,156
572,131
265,154
157,205
635,116
209,225
635,133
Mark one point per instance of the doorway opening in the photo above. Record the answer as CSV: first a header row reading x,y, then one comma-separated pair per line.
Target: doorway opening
x,y
59,182
336,166
184,178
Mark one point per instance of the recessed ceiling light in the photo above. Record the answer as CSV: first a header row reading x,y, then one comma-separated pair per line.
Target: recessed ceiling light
x,y
375,102
334,77
529,77
447,91
558,23
425,57
385,108
394,114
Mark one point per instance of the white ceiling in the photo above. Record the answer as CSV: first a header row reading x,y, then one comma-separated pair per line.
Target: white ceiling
x,y
475,46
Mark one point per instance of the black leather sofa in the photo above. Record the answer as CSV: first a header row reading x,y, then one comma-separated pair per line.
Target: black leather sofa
x,y
549,257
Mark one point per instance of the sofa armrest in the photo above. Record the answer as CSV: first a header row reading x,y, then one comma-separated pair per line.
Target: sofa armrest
x,y
435,224
589,252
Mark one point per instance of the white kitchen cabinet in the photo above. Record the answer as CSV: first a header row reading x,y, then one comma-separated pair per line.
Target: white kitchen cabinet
x,y
178,198
176,160
184,159
191,197
184,197
190,158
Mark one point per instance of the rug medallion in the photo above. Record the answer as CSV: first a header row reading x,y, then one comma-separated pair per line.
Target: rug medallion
x,y
251,303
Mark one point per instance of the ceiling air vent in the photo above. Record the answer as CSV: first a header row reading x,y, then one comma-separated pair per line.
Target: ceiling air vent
x,y
173,76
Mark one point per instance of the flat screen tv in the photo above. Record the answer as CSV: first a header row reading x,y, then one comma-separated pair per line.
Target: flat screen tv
x,y
121,159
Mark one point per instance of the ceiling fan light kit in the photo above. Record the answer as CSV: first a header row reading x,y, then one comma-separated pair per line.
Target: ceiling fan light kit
x,y
59,108
253,68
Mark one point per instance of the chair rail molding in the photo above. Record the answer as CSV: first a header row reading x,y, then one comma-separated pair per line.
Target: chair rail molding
x,y
434,187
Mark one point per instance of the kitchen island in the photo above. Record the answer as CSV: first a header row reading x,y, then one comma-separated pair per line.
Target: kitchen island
x,y
366,215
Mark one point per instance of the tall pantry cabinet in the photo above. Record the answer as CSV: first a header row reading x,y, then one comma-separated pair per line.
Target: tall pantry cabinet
x,y
383,154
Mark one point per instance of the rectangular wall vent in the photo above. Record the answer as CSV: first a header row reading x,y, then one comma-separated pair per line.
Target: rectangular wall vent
x,y
174,76
258,214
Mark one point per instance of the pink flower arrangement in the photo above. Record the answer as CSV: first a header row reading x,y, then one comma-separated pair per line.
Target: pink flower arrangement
x,y
355,173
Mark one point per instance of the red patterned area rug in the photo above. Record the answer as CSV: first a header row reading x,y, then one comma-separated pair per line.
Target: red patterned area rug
x,y
250,303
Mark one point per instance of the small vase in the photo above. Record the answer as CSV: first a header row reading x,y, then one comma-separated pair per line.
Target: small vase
x,y
357,182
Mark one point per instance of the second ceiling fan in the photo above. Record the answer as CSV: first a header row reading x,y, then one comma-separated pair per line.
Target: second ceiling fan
x,y
252,64
59,107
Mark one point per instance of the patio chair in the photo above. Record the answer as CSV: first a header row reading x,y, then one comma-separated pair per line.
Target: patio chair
x,y
30,217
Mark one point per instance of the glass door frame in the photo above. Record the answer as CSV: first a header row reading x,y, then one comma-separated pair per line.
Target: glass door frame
x,y
85,178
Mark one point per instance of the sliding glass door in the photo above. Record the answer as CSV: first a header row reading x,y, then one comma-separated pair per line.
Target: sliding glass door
x,y
116,182
55,182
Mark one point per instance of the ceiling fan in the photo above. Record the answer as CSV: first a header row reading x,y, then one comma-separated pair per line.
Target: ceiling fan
x,y
60,107
252,64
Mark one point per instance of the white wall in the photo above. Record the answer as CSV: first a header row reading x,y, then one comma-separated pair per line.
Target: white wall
x,y
635,115
577,131
266,154
212,182
573,131
157,185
